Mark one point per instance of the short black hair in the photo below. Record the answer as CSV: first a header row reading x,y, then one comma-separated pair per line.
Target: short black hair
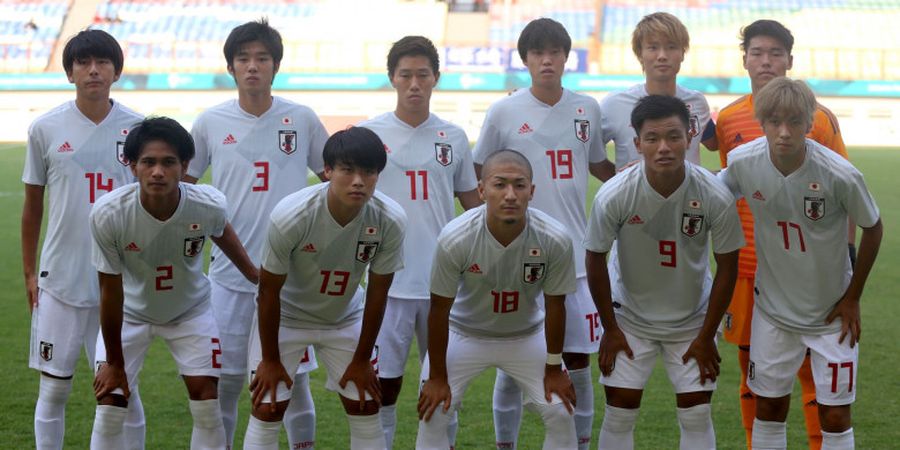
x,y
766,27
92,43
507,155
413,46
356,147
159,129
251,32
654,107
542,34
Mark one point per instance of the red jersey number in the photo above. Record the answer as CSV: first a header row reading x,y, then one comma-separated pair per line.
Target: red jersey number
x,y
96,183
262,175
560,163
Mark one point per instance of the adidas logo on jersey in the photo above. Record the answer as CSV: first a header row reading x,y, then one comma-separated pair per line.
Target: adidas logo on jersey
x,y
132,247
65,148
309,248
229,140
474,268
635,220
758,196
525,128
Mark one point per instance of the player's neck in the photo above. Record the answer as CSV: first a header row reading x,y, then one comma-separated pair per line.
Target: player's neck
x,y
503,232
412,118
255,103
342,214
665,184
549,95
661,87
94,109
161,207
788,163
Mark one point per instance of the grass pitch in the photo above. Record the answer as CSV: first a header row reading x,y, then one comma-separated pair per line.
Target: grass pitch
x,y
169,421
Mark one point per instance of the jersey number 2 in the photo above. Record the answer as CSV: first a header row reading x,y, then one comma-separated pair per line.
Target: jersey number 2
x,y
165,274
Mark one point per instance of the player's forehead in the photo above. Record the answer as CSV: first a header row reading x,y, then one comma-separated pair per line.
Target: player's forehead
x,y
658,40
157,149
506,172
662,126
253,48
414,63
765,43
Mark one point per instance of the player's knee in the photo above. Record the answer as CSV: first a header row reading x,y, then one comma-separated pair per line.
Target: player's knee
x,y
116,400
54,390
109,420
620,420
351,407
623,398
835,419
265,413
695,418
390,390
206,413
691,399
772,409
576,361
202,387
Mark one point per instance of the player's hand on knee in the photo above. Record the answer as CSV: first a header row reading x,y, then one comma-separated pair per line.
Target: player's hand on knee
x,y
847,309
109,378
434,393
612,342
268,375
362,374
705,352
556,381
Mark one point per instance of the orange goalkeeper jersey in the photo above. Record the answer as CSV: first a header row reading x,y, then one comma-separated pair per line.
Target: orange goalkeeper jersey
x,y
736,125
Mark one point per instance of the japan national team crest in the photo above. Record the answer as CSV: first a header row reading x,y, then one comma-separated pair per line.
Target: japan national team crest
x,y
582,129
443,153
533,272
814,207
365,250
287,141
695,125
691,224
120,153
193,246
46,351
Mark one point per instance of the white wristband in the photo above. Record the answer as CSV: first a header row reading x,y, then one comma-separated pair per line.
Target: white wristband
x,y
554,359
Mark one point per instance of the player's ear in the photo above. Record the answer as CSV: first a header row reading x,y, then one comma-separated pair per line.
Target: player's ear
x,y
481,190
790,62
327,172
531,193
437,77
637,144
230,69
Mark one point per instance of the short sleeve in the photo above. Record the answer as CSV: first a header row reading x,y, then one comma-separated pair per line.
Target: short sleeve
x,y
859,203
597,152
489,141
725,229
104,254
445,272
389,258
277,250
602,227
35,171
606,125
202,153
464,179
729,178
317,137
561,271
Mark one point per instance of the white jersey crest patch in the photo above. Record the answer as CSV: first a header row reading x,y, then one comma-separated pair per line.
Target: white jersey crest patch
x,y
443,153
287,141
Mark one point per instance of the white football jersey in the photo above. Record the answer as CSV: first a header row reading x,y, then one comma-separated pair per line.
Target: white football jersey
x,y
559,142
256,162
616,121
496,287
161,263
78,161
425,166
660,276
324,261
800,224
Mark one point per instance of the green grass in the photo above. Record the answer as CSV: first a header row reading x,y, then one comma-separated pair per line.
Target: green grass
x,y
169,421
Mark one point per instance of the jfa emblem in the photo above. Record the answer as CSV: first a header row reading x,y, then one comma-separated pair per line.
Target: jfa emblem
x,y
533,272
120,153
691,224
365,250
695,125
287,141
193,246
582,129
814,207
46,351
443,153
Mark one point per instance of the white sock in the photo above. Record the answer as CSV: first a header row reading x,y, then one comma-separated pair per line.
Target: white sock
x,y
208,432
452,428
617,430
50,412
768,435
838,441
366,432
432,435
108,433
696,428
261,435
388,423
507,410
559,427
584,405
300,417
230,387
135,426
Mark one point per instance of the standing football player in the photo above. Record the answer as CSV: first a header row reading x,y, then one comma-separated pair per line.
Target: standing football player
x,y
148,251
491,264
428,162
558,131
320,242
767,45
801,195
656,295
75,150
260,147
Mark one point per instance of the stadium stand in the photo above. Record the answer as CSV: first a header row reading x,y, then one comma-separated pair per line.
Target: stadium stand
x,y
28,32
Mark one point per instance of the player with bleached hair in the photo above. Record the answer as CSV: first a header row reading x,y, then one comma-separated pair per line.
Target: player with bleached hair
x,y
428,163
490,266
558,131
76,151
148,251
259,147
656,296
807,294
321,240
